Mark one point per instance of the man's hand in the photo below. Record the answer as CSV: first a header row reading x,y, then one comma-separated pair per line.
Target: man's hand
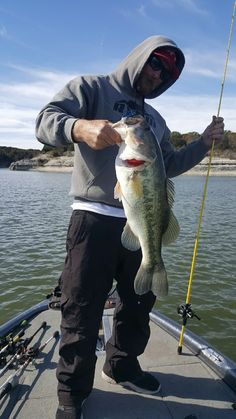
x,y
214,131
97,134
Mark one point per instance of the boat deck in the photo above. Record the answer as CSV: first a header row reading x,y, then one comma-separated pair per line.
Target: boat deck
x,y
190,390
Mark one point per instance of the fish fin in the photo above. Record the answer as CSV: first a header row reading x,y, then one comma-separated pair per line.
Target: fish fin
x,y
170,187
143,280
128,239
160,282
154,280
117,191
172,230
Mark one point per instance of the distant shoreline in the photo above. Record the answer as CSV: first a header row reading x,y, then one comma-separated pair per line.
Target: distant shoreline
x,y
220,166
193,172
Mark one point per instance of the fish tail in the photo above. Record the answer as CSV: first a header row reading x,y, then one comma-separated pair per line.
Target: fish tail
x,y
154,279
160,282
143,280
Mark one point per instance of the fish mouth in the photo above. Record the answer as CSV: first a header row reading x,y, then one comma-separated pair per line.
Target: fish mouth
x,y
134,162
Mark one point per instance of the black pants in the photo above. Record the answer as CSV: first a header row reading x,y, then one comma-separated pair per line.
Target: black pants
x,y
95,256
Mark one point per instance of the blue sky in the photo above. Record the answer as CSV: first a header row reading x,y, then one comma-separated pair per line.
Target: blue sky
x,y
46,43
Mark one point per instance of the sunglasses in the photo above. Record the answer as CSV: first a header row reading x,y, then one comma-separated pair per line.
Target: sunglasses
x,y
157,65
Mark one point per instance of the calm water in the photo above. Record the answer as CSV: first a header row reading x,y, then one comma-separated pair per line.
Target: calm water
x,y
34,215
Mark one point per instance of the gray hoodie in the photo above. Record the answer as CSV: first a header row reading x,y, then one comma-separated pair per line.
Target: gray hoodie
x,y
110,97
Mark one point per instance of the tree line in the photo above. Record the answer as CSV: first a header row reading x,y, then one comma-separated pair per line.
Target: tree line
x,y
229,141
11,154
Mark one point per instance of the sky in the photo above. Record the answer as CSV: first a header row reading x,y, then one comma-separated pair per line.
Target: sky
x,y
45,44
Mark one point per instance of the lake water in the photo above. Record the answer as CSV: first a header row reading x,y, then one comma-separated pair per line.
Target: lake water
x,y
34,215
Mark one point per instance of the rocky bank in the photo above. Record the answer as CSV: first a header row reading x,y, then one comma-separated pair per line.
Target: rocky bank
x,y
44,162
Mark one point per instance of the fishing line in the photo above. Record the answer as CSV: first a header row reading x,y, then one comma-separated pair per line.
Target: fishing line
x,y
185,309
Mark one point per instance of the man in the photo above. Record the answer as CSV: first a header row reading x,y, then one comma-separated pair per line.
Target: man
x,y
82,113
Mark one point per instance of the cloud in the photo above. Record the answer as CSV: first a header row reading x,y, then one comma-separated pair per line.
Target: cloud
x,y
192,6
210,64
142,10
21,100
55,76
194,113
17,125
189,5
20,103
3,32
182,113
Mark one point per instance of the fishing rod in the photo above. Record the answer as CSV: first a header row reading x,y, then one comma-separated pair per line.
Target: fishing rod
x,y
9,348
6,339
27,341
13,380
185,310
22,348
10,345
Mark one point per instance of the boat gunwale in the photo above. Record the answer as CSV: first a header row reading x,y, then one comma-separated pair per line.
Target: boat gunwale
x,y
223,366
27,314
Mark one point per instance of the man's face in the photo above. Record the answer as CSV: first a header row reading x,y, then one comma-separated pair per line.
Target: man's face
x,y
149,79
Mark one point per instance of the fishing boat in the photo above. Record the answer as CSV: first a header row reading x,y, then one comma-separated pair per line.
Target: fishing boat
x,y
199,383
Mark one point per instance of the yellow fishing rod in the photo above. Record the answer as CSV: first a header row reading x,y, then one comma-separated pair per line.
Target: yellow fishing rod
x,y
185,310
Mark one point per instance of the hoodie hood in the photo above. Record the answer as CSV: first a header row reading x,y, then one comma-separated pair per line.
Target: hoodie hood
x,y
129,69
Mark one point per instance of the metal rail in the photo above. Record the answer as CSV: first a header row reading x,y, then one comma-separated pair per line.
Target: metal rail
x,y
223,366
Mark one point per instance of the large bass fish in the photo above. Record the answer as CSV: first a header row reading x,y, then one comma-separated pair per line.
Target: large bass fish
x,y
147,197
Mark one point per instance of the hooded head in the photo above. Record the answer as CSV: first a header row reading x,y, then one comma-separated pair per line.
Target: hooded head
x,y
130,68
167,58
